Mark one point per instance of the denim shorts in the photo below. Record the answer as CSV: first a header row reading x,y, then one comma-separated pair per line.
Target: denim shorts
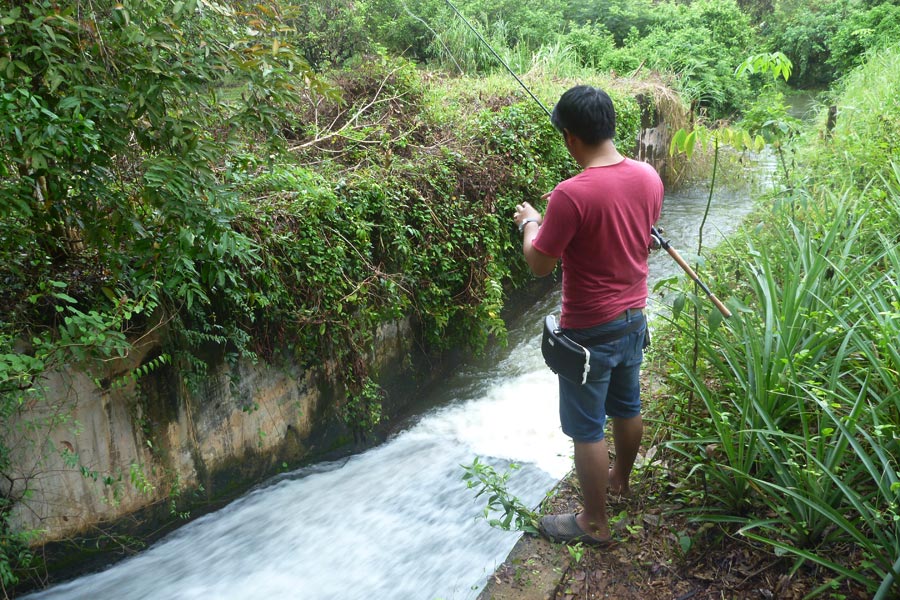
x,y
613,387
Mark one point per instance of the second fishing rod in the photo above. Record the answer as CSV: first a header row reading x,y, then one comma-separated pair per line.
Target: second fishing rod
x,y
654,232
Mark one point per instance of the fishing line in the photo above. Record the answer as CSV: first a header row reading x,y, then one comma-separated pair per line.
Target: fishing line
x,y
654,232
497,56
436,36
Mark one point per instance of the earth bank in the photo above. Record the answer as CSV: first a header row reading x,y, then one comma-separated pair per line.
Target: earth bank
x,y
660,553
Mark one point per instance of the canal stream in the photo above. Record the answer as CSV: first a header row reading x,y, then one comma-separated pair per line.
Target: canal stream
x,y
397,521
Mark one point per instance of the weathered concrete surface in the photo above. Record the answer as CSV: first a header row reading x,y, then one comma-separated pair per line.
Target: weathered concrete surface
x,y
107,451
532,571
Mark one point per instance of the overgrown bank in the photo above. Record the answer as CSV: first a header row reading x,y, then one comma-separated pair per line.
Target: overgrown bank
x,y
154,248
796,439
777,432
180,173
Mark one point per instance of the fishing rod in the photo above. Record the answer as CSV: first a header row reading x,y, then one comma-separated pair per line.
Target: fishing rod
x,y
498,57
664,243
654,232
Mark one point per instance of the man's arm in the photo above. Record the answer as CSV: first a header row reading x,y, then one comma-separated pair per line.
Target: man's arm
x,y
540,264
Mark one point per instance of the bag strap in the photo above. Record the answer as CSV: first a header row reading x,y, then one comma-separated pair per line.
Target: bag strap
x,y
612,336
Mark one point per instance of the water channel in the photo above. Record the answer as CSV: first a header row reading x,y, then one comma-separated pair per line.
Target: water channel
x,y
396,522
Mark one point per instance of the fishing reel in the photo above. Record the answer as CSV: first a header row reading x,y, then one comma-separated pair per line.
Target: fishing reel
x,y
656,239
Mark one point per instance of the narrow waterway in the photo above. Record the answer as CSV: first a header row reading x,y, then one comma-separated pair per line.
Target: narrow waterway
x,y
396,522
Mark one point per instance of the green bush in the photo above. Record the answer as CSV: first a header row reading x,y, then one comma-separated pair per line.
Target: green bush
x,y
865,138
328,33
622,18
106,156
406,29
703,67
593,45
874,29
699,44
116,197
824,40
803,31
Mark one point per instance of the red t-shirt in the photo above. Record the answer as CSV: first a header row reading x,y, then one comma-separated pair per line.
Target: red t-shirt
x,y
599,223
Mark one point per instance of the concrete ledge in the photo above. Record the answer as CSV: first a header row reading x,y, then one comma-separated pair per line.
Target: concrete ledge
x,y
532,571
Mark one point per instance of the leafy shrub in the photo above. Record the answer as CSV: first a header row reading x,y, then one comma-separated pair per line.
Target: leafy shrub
x,y
115,197
593,45
874,29
622,18
703,67
824,40
105,155
700,44
803,31
380,231
328,33
865,138
404,31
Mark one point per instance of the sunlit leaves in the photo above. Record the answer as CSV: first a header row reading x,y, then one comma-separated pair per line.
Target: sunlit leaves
x,y
702,138
775,63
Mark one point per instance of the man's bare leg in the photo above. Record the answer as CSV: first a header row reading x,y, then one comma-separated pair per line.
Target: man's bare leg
x,y
627,435
592,469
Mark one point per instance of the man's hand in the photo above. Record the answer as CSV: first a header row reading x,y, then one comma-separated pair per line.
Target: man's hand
x,y
539,263
526,211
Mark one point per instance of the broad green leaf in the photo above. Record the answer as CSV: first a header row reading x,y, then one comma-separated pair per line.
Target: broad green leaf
x,y
689,143
678,305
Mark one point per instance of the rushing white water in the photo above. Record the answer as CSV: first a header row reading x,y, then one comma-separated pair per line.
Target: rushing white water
x,y
397,521
394,522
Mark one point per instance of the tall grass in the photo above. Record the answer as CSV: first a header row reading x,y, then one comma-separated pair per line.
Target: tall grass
x,y
865,139
799,437
458,49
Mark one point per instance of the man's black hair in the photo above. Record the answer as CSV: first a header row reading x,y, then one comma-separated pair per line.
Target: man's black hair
x,y
586,112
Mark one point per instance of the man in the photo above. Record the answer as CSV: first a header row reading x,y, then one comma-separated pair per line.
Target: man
x,y
598,222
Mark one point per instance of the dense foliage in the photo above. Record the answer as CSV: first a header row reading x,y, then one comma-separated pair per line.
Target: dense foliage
x,y
182,168
699,43
790,420
397,221
250,177
825,39
116,197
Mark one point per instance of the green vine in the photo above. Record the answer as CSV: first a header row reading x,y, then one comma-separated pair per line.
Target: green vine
x,y
513,515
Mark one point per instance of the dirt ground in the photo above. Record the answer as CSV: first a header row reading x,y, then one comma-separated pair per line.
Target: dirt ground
x,y
658,554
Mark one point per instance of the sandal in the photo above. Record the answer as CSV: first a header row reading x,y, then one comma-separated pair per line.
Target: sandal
x,y
565,529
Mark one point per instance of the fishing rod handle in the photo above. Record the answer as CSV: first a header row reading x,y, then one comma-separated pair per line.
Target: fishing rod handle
x,y
722,308
687,269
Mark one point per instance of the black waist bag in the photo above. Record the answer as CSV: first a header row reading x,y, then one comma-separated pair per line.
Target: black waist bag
x,y
564,357
568,359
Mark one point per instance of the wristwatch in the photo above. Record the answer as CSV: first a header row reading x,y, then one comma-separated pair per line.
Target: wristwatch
x,y
526,222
